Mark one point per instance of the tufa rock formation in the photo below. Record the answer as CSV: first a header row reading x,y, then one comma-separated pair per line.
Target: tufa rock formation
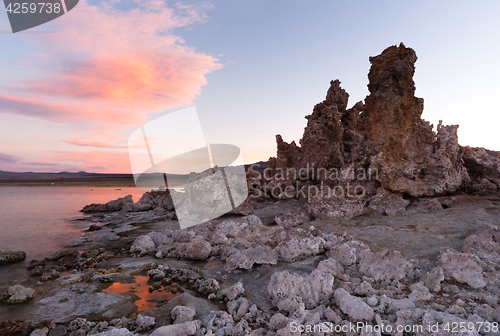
x,y
387,139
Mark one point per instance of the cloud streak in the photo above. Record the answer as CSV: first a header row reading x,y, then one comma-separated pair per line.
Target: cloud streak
x,y
6,158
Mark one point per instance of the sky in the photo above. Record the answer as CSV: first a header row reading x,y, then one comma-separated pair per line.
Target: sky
x,y
73,90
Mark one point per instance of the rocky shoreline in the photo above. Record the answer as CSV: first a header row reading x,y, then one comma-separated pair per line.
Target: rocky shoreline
x,y
416,253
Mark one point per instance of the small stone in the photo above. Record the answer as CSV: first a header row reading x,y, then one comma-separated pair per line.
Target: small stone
x,y
434,278
181,329
18,294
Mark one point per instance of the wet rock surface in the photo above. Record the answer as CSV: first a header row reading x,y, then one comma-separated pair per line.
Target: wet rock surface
x,y
8,257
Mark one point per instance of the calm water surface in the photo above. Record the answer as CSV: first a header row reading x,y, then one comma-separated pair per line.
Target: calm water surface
x,y
37,220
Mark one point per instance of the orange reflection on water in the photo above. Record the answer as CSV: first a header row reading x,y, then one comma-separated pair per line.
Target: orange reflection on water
x,y
147,300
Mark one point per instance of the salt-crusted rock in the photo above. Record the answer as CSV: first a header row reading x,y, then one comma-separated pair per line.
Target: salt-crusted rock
x,y
440,321
365,288
278,321
434,278
8,257
389,203
249,228
207,286
233,291
154,199
353,306
162,238
384,265
115,205
330,266
197,249
346,253
144,323
181,314
113,332
238,308
297,244
143,244
419,292
462,267
483,246
421,205
40,332
332,316
327,205
481,165
313,289
181,329
292,218
396,305
245,259
17,294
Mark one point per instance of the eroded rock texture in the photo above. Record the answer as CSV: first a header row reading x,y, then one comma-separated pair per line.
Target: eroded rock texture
x,y
384,137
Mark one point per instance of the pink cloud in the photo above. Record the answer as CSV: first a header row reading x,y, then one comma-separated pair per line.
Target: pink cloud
x,y
104,70
90,142
111,66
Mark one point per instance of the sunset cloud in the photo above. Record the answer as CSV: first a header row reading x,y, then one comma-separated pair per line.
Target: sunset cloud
x,y
6,158
112,66
88,142
104,70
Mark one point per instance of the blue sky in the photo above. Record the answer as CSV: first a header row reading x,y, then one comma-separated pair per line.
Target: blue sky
x,y
253,69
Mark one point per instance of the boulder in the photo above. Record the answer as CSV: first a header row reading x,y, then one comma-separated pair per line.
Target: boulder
x,y
292,218
462,267
181,314
297,244
245,259
144,323
353,306
181,329
332,204
346,253
312,289
232,292
8,257
384,265
197,249
433,279
115,205
143,244
15,328
389,203
482,166
18,294
153,200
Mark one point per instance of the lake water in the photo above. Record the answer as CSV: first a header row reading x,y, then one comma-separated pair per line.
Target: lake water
x,y
37,220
